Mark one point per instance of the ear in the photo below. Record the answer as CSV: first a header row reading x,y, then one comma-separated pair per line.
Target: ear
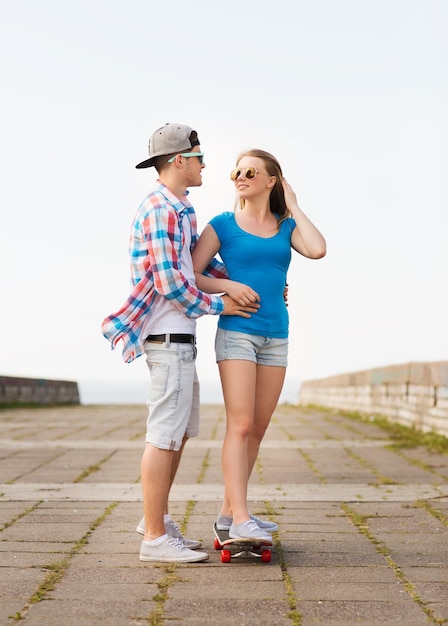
x,y
272,182
177,161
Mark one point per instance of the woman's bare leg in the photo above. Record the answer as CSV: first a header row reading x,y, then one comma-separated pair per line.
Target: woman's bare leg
x,y
251,403
238,379
269,386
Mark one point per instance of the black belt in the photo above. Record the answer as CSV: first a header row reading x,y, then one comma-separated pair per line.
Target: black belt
x,y
171,338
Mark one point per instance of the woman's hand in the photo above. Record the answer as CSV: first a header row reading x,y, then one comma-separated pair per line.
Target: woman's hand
x,y
243,294
290,195
305,237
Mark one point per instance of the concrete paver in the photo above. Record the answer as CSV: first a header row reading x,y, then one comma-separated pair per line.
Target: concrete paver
x,y
363,527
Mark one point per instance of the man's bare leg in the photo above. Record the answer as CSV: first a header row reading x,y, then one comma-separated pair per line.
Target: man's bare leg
x,y
174,467
156,472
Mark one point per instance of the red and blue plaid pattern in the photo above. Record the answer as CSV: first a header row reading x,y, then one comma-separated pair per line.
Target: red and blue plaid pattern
x,y
155,247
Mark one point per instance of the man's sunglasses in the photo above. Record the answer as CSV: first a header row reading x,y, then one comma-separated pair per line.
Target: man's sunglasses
x,y
248,172
200,156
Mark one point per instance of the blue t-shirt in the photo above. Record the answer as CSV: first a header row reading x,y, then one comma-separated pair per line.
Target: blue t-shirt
x,y
262,263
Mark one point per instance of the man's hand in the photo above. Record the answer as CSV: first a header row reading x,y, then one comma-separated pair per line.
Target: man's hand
x,y
231,307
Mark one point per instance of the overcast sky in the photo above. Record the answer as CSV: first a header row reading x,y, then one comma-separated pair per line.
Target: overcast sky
x,y
351,96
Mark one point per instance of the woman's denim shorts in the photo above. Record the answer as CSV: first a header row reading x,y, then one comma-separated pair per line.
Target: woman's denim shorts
x,y
232,345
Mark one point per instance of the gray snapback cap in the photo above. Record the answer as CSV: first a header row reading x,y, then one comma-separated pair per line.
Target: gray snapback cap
x,y
169,139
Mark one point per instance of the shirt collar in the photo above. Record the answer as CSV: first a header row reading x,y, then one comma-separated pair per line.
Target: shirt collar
x,y
180,204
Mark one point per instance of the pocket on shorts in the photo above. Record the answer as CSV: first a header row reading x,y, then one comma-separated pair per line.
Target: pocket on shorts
x,y
159,378
187,353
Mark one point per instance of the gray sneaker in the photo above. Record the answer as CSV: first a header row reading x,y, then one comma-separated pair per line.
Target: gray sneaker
x,y
173,530
224,523
266,525
249,530
170,551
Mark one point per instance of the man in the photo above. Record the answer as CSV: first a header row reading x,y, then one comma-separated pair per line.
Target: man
x,y
158,319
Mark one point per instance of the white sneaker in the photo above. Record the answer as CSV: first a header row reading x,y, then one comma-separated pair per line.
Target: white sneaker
x,y
249,530
170,551
173,530
224,523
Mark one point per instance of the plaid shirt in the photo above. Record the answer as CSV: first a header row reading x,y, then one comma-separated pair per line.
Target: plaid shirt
x,y
155,247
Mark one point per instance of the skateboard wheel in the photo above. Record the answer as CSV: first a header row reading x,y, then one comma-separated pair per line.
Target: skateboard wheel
x,y
226,555
217,544
266,556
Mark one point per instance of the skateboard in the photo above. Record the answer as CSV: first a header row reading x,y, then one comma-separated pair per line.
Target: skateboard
x,y
240,547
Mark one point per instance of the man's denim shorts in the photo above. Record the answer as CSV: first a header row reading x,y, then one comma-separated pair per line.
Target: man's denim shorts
x,y
232,345
174,394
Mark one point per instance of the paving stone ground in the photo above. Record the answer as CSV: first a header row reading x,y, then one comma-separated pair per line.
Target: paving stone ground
x,y
363,525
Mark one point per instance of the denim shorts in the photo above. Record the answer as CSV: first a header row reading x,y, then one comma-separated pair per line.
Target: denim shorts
x,y
232,345
173,395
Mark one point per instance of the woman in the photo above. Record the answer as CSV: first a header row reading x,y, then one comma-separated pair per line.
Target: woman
x,y
255,244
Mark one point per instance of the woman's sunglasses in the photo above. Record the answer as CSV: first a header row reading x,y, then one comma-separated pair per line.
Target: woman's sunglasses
x,y
248,172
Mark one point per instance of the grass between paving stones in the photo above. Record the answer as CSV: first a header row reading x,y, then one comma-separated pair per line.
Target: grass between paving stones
x,y
434,512
93,468
424,466
308,460
13,520
402,436
312,466
214,432
156,617
289,436
204,467
17,477
58,569
75,431
294,614
361,523
384,480
405,438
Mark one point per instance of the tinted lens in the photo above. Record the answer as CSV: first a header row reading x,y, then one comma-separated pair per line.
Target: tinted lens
x,y
248,172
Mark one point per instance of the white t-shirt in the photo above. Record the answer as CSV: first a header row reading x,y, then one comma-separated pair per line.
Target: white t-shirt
x,y
165,317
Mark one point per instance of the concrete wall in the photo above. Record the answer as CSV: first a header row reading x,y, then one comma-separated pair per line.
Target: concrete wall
x,y
34,391
414,394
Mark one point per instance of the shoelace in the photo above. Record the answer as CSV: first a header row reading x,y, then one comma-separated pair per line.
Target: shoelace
x,y
177,543
252,525
175,529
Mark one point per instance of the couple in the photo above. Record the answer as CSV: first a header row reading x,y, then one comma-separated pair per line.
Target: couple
x,y
175,278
